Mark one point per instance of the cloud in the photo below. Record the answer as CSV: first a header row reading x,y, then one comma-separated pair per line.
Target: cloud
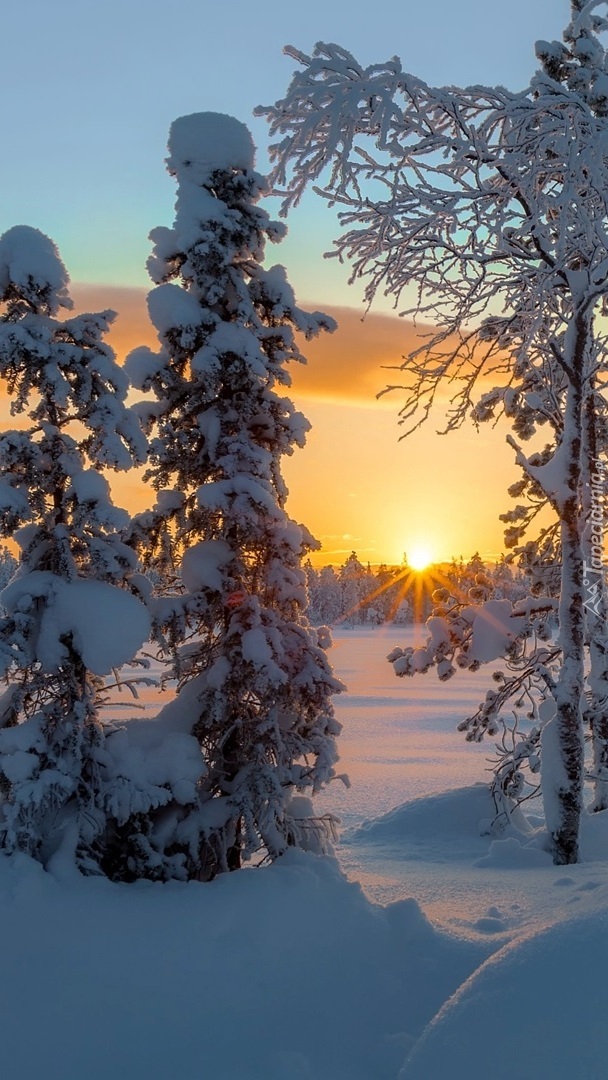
x,y
344,366
351,363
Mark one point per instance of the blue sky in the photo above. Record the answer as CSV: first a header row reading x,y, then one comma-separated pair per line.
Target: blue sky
x,y
89,91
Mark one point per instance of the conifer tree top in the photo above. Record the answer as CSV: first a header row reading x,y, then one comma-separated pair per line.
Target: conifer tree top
x,y
31,269
201,143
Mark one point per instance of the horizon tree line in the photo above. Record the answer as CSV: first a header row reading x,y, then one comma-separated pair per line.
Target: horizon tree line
x,y
355,594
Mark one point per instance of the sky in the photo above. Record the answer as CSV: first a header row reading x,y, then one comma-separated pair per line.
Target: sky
x,y
90,91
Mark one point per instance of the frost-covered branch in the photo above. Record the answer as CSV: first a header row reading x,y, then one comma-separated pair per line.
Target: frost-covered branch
x,y
483,213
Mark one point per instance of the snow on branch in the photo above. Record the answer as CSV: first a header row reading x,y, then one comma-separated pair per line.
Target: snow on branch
x,y
474,208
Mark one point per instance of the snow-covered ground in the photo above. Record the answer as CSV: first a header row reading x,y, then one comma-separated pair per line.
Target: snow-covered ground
x,y
464,955
400,748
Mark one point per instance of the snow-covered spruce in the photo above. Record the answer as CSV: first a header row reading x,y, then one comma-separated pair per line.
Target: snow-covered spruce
x,y
254,685
66,621
474,201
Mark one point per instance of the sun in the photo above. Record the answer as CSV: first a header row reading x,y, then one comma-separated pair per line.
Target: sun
x,y
419,557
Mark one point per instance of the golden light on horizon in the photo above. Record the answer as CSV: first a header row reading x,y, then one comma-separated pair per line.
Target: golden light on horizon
x,y
420,557
355,485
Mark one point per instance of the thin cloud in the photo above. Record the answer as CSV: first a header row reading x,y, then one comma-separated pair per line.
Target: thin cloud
x,y
346,365
132,326
352,365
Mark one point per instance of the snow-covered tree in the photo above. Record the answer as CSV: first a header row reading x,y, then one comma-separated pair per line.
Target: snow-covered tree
x,y
8,565
329,597
483,211
69,615
253,684
352,588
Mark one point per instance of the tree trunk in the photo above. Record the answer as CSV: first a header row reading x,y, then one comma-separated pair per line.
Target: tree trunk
x,y
234,850
595,602
562,781
562,757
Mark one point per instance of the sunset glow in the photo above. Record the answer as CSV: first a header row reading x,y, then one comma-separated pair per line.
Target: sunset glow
x,y
420,557
372,482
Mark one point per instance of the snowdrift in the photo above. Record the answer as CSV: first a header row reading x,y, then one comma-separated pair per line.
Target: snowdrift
x,y
290,972
535,1010
466,813
281,973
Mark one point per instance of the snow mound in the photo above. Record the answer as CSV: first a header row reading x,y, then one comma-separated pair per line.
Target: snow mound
x,y
594,836
465,814
510,853
545,989
202,142
269,974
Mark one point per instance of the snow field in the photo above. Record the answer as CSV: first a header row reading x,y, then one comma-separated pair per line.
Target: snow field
x,y
292,972
279,973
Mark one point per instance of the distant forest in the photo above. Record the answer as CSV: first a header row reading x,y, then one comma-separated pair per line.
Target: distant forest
x,y
355,594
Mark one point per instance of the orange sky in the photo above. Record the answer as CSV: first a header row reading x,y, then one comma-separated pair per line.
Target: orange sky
x,y
355,485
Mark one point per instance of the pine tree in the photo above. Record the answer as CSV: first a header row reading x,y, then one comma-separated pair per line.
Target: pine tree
x,y
351,588
8,565
253,684
68,617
